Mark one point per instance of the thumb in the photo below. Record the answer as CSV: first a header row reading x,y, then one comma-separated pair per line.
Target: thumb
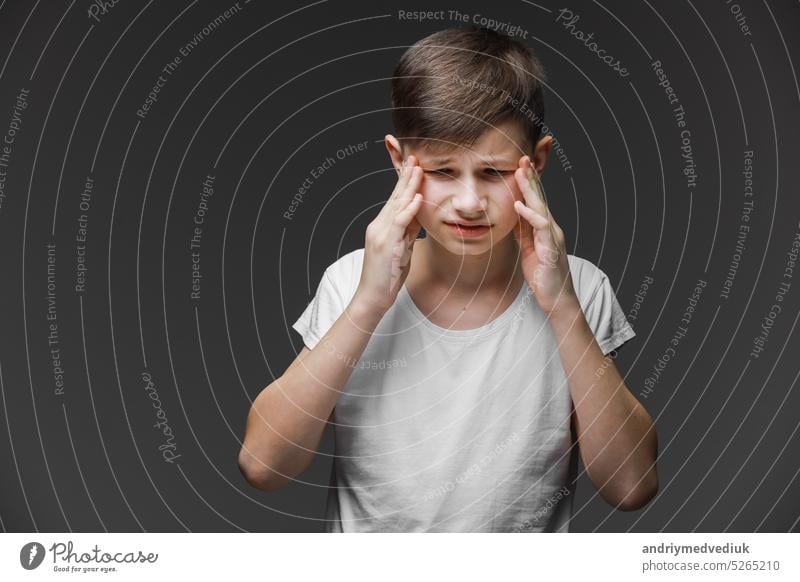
x,y
523,235
413,228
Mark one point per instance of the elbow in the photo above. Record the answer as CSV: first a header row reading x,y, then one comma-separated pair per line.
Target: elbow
x,y
257,475
639,494
641,487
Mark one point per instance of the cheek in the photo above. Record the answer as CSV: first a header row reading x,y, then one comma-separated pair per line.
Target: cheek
x,y
503,198
432,197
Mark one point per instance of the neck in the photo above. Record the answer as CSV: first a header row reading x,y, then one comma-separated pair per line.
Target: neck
x,y
497,268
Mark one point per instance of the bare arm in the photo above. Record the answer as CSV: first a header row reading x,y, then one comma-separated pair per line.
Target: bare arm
x,y
286,420
617,438
618,441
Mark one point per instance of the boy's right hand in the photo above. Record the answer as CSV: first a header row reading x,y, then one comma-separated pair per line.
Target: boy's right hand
x,y
389,241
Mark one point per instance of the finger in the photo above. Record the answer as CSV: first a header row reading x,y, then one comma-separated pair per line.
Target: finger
x,y
404,217
405,173
402,199
401,167
520,175
413,186
536,190
542,234
535,219
529,190
412,232
534,182
398,198
524,235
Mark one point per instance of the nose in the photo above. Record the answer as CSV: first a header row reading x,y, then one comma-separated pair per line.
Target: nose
x,y
466,201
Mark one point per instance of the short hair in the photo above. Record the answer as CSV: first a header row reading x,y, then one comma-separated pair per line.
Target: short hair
x,y
455,84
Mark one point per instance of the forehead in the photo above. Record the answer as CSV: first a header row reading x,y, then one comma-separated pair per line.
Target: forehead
x,y
503,141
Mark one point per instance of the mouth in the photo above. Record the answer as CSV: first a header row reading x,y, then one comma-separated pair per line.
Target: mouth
x,y
468,230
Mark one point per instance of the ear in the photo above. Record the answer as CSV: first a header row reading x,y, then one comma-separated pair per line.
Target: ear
x,y
395,150
539,157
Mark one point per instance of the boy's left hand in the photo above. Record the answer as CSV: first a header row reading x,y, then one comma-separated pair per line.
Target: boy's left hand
x,y
542,245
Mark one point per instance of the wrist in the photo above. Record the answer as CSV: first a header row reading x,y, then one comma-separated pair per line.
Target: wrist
x,y
566,311
365,313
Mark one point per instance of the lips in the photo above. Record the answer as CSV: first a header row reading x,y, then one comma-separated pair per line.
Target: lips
x,y
468,231
467,224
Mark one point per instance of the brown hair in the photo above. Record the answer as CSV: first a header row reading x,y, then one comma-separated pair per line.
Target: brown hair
x,y
455,84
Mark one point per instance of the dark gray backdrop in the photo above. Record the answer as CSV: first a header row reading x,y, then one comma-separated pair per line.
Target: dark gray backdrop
x,y
264,95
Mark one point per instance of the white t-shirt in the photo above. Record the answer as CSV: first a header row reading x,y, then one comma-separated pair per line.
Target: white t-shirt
x,y
456,430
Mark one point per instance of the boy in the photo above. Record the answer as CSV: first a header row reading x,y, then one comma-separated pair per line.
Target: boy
x,y
462,372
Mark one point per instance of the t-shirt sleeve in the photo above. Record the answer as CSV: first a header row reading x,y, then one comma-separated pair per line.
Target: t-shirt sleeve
x,y
605,317
321,313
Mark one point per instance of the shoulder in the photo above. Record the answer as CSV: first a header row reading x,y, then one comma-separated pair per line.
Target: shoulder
x,y
345,272
587,278
599,302
346,265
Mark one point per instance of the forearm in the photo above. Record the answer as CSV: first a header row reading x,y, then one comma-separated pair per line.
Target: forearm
x,y
618,441
287,419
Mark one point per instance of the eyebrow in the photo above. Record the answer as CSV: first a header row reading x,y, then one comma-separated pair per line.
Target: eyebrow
x,y
488,161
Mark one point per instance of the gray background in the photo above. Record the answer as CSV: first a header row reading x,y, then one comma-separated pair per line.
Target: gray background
x,y
263,100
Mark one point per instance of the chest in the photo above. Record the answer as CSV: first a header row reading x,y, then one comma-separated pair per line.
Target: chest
x,y
411,371
456,311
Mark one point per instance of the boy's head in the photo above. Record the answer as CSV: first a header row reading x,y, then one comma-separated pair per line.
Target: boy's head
x,y
467,102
